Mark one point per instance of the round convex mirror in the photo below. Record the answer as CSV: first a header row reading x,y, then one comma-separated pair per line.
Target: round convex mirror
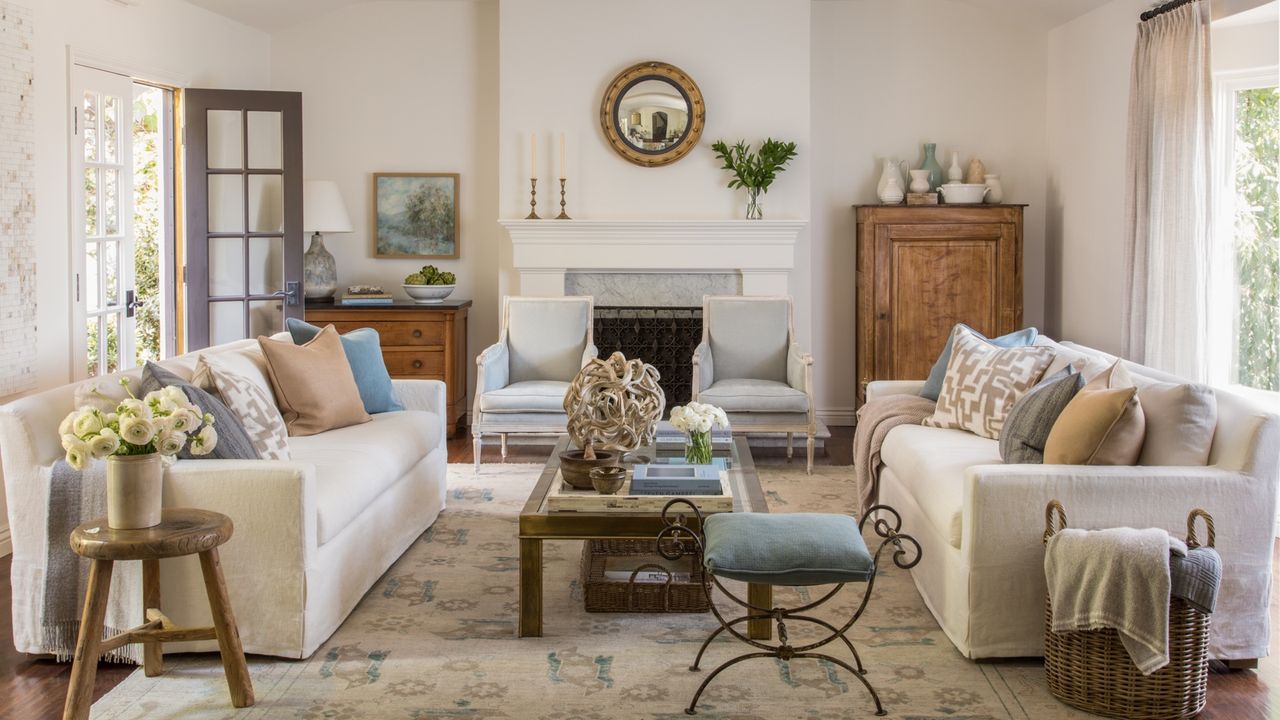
x,y
652,114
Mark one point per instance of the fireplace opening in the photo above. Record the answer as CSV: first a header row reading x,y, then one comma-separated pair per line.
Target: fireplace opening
x,y
664,337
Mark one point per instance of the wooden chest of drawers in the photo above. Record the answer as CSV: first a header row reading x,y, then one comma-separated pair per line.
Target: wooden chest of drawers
x,y
428,342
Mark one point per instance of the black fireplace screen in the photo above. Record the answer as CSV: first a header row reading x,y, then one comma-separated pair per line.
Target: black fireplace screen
x,y
664,337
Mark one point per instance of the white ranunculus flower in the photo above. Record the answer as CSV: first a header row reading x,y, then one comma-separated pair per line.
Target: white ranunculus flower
x,y
704,424
174,393
135,408
203,442
88,422
183,420
68,423
105,443
137,430
170,442
77,452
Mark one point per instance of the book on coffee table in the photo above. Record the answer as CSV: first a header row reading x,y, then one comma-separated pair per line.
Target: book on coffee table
x,y
562,497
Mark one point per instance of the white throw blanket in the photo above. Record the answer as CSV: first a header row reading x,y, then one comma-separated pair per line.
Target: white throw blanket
x,y
1116,578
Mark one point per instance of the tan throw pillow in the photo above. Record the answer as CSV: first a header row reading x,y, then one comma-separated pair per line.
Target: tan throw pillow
x,y
1181,420
1102,425
313,383
983,382
246,398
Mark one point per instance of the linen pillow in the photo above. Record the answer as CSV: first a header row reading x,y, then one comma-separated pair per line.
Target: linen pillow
x,y
1181,420
1027,428
247,362
983,381
234,442
1102,425
1088,365
364,354
313,383
244,397
933,385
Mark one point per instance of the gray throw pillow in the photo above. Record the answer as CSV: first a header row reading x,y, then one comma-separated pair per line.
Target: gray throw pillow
x,y
933,385
1027,427
234,442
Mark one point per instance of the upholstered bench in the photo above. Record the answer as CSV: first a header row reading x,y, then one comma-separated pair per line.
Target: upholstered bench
x,y
788,549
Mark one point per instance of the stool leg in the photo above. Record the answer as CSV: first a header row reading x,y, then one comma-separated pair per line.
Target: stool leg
x,y
85,665
224,621
153,651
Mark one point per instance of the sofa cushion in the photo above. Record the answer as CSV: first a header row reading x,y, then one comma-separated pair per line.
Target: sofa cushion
x,y
364,354
314,386
786,548
1027,428
540,396
743,395
983,382
933,385
233,443
1102,425
355,464
245,395
1181,419
930,463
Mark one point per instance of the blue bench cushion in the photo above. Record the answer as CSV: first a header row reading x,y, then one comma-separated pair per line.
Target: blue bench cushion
x,y
786,548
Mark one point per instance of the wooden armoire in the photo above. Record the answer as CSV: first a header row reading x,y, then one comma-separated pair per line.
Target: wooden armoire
x,y
924,268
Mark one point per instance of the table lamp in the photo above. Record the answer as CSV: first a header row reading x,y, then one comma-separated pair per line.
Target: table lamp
x,y
322,212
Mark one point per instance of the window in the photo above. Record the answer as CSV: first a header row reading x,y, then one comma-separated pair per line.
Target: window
x,y
1246,282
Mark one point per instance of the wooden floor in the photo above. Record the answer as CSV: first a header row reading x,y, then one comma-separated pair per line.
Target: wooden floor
x,y
34,689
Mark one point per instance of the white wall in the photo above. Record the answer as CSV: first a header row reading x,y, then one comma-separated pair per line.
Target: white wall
x,y
403,87
160,39
976,85
750,58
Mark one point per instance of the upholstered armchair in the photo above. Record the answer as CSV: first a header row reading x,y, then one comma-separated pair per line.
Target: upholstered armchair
x,y
521,379
749,365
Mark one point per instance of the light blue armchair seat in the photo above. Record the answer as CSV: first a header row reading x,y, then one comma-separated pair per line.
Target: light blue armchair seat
x,y
749,365
521,379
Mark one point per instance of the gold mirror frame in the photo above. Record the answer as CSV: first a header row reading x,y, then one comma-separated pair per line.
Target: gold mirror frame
x,y
652,70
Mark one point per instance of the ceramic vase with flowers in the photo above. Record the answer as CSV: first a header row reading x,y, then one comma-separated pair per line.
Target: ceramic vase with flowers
x,y
133,440
695,420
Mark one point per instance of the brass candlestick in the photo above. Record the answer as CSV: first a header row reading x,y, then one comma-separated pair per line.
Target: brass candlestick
x,y
563,215
533,200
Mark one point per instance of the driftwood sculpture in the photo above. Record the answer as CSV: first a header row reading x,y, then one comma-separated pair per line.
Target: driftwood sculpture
x,y
614,404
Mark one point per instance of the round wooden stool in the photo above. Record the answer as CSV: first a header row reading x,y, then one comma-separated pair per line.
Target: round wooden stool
x,y
182,531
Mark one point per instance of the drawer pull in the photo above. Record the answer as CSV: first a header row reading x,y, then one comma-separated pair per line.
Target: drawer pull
x,y
417,333
417,364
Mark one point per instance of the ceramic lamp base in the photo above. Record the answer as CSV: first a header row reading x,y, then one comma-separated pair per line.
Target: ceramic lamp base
x,y
319,271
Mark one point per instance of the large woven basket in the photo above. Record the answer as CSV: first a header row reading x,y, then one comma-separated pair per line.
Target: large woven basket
x,y
1091,670
603,595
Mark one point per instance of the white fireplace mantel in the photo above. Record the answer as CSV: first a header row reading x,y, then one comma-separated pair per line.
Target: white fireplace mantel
x,y
762,251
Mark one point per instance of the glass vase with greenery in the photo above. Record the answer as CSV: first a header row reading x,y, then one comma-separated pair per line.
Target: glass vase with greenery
x,y
754,171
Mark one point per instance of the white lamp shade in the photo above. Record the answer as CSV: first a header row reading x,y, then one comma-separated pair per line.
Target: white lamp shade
x,y
322,208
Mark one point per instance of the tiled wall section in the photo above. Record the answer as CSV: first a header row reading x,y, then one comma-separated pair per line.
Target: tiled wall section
x,y
17,203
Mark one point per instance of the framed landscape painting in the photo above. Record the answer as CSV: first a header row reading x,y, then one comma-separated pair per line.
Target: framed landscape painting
x,y
415,215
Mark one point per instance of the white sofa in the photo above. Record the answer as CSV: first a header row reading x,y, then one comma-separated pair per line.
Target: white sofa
x,y
980,522
312,534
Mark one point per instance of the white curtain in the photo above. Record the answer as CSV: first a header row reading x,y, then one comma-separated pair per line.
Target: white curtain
x,y
1168,250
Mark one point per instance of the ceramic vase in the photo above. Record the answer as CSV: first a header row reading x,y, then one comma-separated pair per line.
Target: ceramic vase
x,y
955,173
893,168
892,193
995,193
976,172
134,484
931,164
919,181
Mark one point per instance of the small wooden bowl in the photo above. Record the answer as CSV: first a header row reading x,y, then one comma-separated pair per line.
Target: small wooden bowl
x,y
577,470
608,479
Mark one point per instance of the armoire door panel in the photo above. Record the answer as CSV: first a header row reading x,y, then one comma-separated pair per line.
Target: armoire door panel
x,y
934,285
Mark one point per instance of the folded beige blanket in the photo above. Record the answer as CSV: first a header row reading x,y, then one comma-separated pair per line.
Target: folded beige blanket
x,y
1116,578
875,419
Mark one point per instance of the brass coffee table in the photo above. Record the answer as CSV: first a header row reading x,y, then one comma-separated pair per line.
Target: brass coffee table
x,y
537,524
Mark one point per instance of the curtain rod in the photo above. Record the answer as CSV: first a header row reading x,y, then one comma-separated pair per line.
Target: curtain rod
x,y
1162,9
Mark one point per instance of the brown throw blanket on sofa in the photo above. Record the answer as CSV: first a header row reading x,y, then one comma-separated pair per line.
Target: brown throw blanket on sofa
x,y
875,419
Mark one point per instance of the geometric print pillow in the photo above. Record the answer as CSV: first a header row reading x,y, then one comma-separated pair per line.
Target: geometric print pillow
x,y
983,382
244,397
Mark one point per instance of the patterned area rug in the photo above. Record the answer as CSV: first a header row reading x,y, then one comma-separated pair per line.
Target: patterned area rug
x,y
435,638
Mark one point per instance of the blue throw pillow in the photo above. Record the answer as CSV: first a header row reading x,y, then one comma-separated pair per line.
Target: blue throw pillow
x,y
364,354
933,386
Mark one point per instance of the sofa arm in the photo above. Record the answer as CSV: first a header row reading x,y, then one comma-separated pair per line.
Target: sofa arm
x,y
426,396
492,369
590,353
881,388
703,369
272,501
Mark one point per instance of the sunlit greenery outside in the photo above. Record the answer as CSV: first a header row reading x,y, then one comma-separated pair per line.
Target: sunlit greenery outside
x,y
1257,238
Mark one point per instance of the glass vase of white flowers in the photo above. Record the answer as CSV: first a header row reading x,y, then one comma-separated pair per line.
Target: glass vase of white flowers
x,y
133,440
695,420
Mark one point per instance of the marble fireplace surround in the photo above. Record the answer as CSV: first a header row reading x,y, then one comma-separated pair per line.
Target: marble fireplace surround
x,y
669,263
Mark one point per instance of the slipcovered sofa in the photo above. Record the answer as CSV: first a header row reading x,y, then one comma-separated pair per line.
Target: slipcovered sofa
x,y
981,522
312,534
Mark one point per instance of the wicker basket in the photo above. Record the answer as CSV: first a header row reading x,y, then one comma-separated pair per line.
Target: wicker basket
x,y
603,595
1090,669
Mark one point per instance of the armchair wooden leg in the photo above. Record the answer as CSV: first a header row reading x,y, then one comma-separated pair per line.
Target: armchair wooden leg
x,y
809,452
503,437
476,447
790,449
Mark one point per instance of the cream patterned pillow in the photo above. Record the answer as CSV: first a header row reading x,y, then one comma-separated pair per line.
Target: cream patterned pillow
x,y
983,382
245,397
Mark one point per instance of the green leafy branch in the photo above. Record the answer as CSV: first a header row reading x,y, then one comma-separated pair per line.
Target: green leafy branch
x,y
754,170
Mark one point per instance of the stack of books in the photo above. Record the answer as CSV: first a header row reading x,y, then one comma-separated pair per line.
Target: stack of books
x,y
365,295
676,480
668,440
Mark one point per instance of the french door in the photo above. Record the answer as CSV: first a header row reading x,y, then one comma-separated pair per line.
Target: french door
x,y
244,213
102,221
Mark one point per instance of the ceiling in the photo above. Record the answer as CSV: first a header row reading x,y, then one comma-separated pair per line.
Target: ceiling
x,y
273,15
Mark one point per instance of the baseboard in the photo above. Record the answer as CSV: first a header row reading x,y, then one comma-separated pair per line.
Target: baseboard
x,y
840,417
6,541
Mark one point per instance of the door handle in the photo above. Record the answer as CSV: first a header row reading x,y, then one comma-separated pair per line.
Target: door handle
x,y
290,292
130,303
